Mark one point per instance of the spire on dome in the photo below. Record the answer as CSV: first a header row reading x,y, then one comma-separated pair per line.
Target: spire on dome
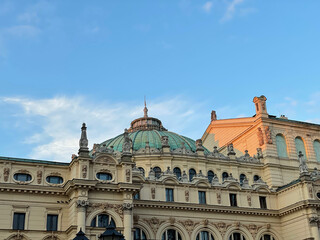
x,y
145,110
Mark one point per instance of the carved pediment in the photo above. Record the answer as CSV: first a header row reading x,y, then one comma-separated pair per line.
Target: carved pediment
x,y
105,159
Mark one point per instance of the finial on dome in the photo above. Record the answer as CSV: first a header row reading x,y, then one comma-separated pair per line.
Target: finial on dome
x,y
145,110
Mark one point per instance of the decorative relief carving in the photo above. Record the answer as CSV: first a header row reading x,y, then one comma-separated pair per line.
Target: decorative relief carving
x,y
310,192
154,223
127,206
82,203
84,171
153,193
205,222
253,229
189,225
118,208
268,135
222,227
164,141
315,220
39,176
128,175
172,220
6,172
186,193
260,136
249,200
219,197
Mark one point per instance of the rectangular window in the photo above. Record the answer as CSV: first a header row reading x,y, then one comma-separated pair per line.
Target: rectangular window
x,y
18,221
233,200
169,194
52,222
263,202
136,196
202,197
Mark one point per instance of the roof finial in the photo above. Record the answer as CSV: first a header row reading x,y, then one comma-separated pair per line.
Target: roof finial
x,y
145,110
83,142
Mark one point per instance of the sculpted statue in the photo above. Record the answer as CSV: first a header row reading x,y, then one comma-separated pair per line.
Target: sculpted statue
x,y
126,147
303,165
231,150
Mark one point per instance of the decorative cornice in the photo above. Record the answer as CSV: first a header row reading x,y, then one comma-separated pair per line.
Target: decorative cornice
x,y
205,208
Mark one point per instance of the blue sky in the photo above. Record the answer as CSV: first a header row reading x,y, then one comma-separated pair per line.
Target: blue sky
x,y
65,62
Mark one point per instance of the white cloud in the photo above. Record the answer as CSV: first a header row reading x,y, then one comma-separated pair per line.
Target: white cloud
x,y
207,6
231,9
59,121
23,31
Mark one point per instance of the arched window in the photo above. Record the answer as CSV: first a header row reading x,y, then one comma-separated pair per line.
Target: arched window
x,y
300,147
157,171
242,177
210,175
236,236
281,146
267,237
225,175
139,234
142,170
177,172
171,234
204,235
192,173
102,220
256,178
316,147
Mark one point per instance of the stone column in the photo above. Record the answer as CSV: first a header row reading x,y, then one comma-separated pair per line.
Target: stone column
x,y
81,216
127,220
314,226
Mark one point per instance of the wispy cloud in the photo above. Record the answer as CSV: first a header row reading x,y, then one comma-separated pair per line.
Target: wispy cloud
x,y
59,120
231,9
207,6
23,31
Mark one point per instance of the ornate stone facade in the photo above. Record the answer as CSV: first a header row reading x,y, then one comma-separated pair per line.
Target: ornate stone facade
x,y
165,183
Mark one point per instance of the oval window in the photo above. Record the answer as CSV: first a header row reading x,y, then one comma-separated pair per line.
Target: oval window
x,y
22,177
104,176
54,179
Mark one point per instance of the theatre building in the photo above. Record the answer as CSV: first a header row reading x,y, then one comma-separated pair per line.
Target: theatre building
x,y
251,178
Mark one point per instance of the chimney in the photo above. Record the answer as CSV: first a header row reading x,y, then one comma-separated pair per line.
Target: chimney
x,y
260,104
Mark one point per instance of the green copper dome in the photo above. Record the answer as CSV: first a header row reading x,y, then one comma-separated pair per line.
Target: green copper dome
x,y
140,137
149,129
